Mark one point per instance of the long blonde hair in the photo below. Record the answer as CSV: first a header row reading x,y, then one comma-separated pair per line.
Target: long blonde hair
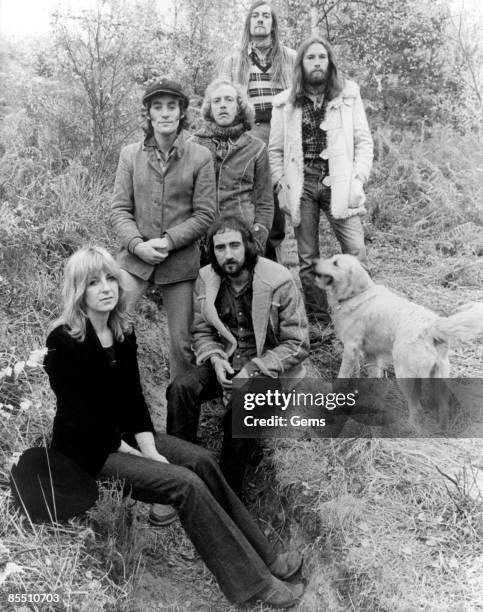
x,y
85,263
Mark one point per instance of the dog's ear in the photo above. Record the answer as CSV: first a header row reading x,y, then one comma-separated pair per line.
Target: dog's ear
x,y
360,279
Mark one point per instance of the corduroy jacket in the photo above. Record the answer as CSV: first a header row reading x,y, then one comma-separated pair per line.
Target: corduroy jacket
x,y
98,404
277,303
148,203
244,185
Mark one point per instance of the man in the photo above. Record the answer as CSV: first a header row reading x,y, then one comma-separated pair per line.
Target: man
x,y
244,187
263,66
163,203
249,320
320,154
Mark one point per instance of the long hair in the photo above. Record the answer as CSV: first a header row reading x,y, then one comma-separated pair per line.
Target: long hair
x,y
148,126
227,224
279,56
85,263
245,113
334,83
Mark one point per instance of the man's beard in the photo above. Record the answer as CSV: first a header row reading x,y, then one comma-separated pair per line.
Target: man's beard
x,y
236,270
315,80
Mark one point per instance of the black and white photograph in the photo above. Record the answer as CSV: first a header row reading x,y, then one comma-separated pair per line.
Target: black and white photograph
x,y
241,305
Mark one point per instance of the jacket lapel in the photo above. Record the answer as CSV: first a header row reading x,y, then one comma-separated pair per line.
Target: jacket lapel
x,y
261,305
212,286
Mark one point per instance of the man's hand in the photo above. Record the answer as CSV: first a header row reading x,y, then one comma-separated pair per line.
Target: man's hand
x,y
248,371
153,251
222,367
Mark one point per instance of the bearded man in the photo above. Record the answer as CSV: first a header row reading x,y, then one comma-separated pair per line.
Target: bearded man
x,y
320,154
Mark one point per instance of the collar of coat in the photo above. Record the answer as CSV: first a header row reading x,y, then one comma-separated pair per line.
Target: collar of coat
x,y
350,90
267,276
178,144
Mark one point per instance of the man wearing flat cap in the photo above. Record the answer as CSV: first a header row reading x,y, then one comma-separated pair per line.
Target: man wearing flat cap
x,y
163,203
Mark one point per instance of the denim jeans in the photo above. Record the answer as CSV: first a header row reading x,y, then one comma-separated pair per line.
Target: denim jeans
x,y
349,233
277,231
178,303
185,395
220,527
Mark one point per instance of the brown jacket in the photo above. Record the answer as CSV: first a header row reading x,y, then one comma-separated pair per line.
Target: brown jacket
x,y
148,203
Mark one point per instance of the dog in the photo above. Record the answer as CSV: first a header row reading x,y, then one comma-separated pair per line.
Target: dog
x,y
381,328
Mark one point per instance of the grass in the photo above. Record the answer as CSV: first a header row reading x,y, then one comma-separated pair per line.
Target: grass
x,y
386,524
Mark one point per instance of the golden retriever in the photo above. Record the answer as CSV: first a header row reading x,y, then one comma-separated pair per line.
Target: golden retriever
x,y
380,327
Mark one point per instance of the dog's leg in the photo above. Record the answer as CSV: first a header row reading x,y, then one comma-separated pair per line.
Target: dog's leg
x,y
350,361
440,391
411,389
374,366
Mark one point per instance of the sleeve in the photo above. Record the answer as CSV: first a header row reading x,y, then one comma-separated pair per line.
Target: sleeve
x,y
122,206
363,145
293,335
138,418
275,144
75,416
204,206
204,337
262,194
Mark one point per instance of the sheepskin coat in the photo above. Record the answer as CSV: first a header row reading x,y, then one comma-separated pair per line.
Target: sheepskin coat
x,y
349,152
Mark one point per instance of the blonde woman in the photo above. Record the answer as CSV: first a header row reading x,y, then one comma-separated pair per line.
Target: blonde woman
x,y
103,424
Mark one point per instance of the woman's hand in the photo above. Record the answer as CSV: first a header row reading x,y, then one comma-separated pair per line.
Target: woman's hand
x,y
153,454
127,448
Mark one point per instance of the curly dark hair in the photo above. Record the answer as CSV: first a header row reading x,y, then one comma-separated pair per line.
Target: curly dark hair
x,y
227,224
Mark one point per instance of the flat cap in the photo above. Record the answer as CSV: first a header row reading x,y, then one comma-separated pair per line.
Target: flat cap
x,y
165,86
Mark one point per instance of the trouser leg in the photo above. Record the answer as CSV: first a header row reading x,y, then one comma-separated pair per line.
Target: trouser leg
x,y
220,527
185,395
235,454
277,232
307,235
350,235
134,287
178,302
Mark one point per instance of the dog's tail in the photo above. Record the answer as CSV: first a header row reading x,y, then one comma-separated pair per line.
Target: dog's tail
x,y
465,324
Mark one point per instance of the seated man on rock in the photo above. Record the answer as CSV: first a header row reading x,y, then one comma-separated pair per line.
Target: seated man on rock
x,y
249,320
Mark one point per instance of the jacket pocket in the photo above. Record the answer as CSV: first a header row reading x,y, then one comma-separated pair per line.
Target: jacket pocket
x,y
357,196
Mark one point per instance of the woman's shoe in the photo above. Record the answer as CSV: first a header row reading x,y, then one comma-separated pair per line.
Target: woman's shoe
x,y
161,515
286,564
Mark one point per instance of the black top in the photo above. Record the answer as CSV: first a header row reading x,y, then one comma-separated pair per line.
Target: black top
x,y
98,403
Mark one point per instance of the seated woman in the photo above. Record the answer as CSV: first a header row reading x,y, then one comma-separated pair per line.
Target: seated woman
x,y
243,182
103,424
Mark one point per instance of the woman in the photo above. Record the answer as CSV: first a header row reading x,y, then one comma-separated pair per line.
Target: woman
x,y
243,183
103,424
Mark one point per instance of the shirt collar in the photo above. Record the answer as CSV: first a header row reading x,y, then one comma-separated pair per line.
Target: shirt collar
x,y
177,146
317,104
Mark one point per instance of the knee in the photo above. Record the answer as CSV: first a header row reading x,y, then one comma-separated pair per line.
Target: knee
x,y
203,461
190,486
181,385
